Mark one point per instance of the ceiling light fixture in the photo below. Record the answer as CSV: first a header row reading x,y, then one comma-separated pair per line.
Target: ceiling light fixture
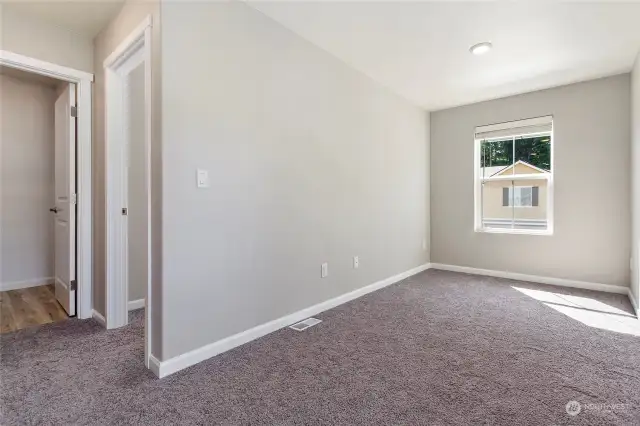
x,y
481,48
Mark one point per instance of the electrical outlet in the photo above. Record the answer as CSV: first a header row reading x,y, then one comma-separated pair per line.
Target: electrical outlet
x,y
424,244
356,262
324,270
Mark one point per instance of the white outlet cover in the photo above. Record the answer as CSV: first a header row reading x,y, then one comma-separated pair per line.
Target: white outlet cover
x,y
356,261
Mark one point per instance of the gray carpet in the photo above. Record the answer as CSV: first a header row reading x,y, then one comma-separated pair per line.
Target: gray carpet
x,y
439,348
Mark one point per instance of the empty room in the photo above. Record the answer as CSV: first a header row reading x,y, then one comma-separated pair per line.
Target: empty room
x,y
320,212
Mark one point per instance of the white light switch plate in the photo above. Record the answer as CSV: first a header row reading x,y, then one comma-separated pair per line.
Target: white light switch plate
x,y
324,270
203,178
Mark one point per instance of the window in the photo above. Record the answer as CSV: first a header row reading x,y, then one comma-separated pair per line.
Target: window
x,y
521,196
514,177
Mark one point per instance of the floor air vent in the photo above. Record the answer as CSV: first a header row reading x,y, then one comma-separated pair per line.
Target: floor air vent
x,y
303,325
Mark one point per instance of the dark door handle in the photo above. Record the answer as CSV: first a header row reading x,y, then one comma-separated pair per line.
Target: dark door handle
x,y
54,209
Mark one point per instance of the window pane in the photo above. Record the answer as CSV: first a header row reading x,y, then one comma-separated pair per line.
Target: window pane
x,y
523,196
516,204
495,157
497,204
533,151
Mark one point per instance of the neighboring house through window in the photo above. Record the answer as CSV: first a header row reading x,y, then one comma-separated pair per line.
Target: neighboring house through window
x,y
514,177
520,196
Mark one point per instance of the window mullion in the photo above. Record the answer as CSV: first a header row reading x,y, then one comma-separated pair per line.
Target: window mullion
x,y
513,155
513,202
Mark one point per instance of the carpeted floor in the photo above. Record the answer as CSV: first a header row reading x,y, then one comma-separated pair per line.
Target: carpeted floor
x,y
439,348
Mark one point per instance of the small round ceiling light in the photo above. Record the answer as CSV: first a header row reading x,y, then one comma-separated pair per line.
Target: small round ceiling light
x,y
481,48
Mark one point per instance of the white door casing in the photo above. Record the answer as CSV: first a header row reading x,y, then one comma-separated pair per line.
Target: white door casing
x,y
129,55
84,95
65,203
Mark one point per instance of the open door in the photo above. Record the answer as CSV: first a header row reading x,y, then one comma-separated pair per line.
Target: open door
x,y
65,199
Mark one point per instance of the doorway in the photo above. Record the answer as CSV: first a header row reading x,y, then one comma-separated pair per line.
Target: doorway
x,y
39,210
128,181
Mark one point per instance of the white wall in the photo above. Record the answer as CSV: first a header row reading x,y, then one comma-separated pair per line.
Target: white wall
x,y
591,240
309,162
29,36
635,184
26,182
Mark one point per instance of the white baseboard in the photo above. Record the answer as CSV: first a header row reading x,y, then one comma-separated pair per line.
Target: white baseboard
x,y
172,365
608,288
154,366
98,317
17,285
135,304
634,303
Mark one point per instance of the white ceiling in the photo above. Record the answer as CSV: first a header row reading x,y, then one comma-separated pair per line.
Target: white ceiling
x,y
87,17
420,50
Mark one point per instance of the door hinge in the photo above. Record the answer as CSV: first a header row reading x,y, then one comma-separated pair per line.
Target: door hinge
x,y
74,198
124,211
74,111
73,285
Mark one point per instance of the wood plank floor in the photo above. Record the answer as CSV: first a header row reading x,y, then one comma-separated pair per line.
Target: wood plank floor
x,y
28,307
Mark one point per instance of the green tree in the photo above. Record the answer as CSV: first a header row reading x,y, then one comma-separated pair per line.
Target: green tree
x,y
533,150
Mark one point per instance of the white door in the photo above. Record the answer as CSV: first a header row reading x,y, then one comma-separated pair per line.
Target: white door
x,y
65,208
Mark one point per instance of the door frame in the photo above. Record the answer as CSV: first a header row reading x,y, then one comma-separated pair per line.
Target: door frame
x,y
137,46
84,247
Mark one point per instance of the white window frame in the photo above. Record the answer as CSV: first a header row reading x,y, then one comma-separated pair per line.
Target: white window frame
x,y
479,180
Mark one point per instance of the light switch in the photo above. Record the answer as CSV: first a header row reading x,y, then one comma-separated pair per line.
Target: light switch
x,y
324,270
203,178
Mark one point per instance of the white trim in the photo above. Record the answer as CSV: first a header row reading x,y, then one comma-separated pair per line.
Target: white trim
x,y
634,303
48,69
532,176
561,282
135,48
17,285
83,81
487,230
132,305
515,125
154,366
98,317
180,362
128,45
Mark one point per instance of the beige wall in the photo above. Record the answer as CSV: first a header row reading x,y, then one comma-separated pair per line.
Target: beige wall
x,y
492,207
28,36
591,240
309,162
131,15
635,167
26,180
136,205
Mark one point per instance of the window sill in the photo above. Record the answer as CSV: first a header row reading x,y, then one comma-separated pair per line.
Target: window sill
x,y
514,231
